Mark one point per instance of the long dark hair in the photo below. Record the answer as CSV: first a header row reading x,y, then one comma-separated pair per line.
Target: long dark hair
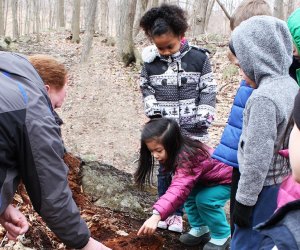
x,y
167,132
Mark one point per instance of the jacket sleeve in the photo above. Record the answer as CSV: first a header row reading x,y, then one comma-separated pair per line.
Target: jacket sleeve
x,y
150,103
257,149
182,184
207,96
45,177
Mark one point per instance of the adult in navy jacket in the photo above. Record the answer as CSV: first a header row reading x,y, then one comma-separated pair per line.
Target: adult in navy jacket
x,y
31,149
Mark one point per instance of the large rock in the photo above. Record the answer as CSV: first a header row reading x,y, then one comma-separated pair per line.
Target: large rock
x,y
112,188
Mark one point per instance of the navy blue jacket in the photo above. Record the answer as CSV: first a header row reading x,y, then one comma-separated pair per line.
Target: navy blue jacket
x,y
282,229
226,151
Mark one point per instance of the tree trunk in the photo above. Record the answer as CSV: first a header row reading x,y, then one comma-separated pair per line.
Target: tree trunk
x,y
209,11
278,9
200,15
76,21
60,13
1,18
103,17
141,6
125,36
14,10
89,32
36,4
291,7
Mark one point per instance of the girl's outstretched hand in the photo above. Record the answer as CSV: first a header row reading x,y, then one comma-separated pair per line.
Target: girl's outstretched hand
x,y
150,225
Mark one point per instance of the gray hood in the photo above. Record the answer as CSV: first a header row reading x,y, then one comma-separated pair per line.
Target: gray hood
x,y
263,46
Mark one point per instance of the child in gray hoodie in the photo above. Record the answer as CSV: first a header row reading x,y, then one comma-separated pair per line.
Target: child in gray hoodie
x,y
263,47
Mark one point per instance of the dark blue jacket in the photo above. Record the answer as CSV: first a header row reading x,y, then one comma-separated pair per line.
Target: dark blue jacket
x,y
226,151
282,229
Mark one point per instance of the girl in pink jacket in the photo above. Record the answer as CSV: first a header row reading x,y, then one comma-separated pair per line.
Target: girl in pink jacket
x,y
199,182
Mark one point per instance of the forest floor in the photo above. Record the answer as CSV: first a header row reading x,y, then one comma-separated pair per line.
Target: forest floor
x,y
103,116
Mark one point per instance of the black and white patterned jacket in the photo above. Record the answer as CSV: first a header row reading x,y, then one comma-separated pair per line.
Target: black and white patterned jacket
x,y
181,87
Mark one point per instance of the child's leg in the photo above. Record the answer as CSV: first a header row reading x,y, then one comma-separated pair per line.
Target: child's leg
x,y
199,232
234,185
210,203
192,211
246,238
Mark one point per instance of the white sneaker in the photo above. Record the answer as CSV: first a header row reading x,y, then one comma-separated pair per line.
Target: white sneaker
x,y
175,223
162,224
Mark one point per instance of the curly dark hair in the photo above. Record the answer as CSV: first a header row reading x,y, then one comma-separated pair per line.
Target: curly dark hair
x,y
164,19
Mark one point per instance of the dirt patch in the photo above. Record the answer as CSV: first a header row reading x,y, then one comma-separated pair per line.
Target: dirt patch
x,y
115,229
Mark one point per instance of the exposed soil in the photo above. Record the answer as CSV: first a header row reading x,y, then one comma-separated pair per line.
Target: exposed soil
x,y
103,116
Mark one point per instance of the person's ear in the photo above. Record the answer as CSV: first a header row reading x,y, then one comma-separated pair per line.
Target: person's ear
x,y
295,50
47,87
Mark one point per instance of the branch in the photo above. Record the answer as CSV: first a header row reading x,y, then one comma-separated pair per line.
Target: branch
x,y
224,9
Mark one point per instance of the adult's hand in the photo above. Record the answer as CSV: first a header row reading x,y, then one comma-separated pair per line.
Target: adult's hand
x,y
95,245
14,222
150,225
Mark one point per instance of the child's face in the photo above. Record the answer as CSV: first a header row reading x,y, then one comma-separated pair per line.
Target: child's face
x,y
233,59
167,44
157,150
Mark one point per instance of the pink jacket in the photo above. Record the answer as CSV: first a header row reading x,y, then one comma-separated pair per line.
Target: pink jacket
x,y
208,172
289,191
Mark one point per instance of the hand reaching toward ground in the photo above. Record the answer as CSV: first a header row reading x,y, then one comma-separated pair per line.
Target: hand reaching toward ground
x,y
14,222
150,225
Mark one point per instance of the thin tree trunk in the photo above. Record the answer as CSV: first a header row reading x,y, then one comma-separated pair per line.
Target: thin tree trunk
x,y
6,15
209,11
224,9
76,21
103,17
89,32
60,13
125,37
1,19
37,19
14,10
200,13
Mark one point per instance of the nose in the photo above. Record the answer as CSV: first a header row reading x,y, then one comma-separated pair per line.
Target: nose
x,y
165,53
155,155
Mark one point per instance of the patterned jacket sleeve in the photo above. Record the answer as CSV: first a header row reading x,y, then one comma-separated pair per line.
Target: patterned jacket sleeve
x,y
150,104
207,96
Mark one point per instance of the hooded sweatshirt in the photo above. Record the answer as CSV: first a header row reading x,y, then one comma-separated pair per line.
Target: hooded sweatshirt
x,y
263,46
31,149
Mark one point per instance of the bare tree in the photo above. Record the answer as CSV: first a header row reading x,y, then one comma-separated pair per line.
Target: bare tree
x,y
89,32
60,13
199,14
141,6
210,6
278,9
36,4
104,17
125,36
76,21
1,18
14,10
